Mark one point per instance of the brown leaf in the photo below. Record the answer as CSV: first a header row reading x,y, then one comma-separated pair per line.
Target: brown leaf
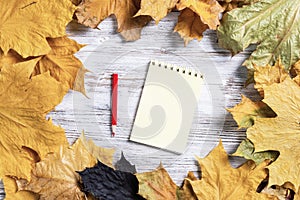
x,y
24,104
190,26
35,21
267,75
280,133
157,185
157,9
11,192
56,177
220,181
92,12
246,112
208,10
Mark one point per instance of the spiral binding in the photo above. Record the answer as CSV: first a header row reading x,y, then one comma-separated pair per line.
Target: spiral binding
x,y
179,69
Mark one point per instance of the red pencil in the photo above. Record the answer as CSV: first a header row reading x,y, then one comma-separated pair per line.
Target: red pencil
x,y
114,105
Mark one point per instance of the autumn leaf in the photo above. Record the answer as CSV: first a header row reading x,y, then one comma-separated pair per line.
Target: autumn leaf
x,y
190,26
60,61
271,24
35,21
280,133
246,150
207,10
246,112
186,192
267,75
195,17
12,193
229,5
92,12
55,177
157,185
124,165
157,9
104,182
25,102
220,181
105,155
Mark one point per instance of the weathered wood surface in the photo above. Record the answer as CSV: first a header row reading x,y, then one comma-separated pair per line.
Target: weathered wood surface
x,y
106,53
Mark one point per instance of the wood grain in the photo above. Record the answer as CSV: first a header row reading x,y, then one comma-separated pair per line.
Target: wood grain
x,y
106,53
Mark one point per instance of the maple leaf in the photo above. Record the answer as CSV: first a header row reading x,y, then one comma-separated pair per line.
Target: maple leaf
x,y
157,9
220,181
24,103
104,182
272,24
229,5
124,165
11,192
267,75
92,12
57,172
190,26
246,150
246,112
207,10
60,61
36,20
157,185
195,17
280,133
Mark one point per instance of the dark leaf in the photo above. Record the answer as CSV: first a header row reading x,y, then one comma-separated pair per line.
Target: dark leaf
x,y
104,182
124,165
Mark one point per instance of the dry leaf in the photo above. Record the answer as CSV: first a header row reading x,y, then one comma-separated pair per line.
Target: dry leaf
x,y
11,193
280,133
92,12
274,25
55,177
124,165
208,10
25,24
190,26
246,150
186,192
105,155
220,181
60,61
157,185
103,182
281,192
246,112
267,75
157,9
25,103
229,5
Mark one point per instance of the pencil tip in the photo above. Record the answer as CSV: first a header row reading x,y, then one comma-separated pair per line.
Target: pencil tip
x,y
113,134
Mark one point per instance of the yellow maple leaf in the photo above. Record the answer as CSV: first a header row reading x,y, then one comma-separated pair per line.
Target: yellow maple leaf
x,y
60,62
190,26
157,185
92,12
25,24
246,112
56,177
157,9
24,104
220,181
267,75
281,133
208,11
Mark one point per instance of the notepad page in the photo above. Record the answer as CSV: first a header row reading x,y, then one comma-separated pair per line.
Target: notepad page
x,y
167,105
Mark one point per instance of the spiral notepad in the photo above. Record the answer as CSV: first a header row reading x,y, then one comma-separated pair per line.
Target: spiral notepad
x,y
167,105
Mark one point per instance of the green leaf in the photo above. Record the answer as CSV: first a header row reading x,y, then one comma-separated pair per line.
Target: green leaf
x,y
246,150
272,24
